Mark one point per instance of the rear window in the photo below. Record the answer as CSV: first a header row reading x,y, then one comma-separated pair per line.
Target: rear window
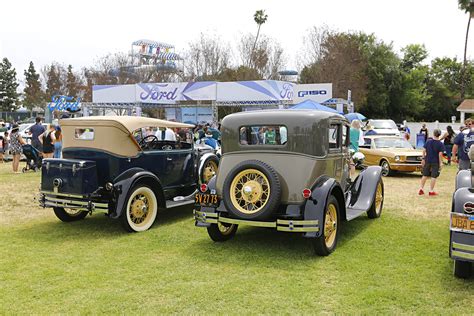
x,y
84,133
263,135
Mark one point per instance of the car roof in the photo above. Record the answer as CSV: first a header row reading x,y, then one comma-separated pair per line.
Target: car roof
x,y
286,117
125,123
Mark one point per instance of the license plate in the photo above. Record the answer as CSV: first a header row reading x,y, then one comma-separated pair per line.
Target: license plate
x,y
206,199
462,222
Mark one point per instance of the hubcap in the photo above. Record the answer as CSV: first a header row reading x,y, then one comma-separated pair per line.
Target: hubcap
x,y
249,191
385,168
330,226
139,209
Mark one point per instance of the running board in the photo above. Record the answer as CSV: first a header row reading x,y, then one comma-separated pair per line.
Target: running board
x,y
353,213
171,204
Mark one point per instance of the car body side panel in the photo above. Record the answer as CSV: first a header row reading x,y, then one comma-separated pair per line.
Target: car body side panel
x,y
296,171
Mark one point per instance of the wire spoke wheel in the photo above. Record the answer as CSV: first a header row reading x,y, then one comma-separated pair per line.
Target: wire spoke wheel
x,y
210,169
250,191
142,208
330,226
379,198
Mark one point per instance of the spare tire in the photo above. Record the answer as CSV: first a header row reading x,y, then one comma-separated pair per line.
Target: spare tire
x,y
252,190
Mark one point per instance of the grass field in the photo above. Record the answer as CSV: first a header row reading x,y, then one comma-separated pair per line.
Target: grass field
x,y
396,264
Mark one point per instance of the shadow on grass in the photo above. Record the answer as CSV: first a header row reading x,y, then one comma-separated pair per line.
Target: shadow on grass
x,y
97,226
253,242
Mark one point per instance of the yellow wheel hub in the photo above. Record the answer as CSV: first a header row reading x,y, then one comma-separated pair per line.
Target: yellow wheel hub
x,y
250,191
139,209
378,198
210,169
330,226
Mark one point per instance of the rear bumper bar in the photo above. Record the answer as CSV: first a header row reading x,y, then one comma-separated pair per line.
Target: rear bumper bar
x,y
291,226
76,202
462,251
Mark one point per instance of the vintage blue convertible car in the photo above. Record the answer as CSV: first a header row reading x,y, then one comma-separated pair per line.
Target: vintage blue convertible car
x,y
127,167
461,244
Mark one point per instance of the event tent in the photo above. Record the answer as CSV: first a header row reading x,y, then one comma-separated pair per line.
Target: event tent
x,y
311,105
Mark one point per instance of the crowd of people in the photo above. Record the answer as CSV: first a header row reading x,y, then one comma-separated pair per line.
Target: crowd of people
x,y
46,141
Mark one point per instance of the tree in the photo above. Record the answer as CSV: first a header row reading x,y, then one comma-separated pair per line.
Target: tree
x,y
259,17
267,58
34,95
53,74
207,57
339,59
8,86
468,7
73,84
414,55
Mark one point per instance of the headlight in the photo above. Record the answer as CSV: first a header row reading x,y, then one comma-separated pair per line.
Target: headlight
x,y
397,158
109,186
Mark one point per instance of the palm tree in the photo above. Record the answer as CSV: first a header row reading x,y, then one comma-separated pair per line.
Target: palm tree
x,y
468,7
259,17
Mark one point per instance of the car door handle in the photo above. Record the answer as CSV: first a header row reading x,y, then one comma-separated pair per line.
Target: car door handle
x,y
169,159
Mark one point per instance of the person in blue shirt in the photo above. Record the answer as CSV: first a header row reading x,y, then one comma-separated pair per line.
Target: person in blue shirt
x,y
462,143
432,162
35,131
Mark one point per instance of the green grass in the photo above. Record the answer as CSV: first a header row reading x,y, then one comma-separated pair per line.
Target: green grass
x,y
391,265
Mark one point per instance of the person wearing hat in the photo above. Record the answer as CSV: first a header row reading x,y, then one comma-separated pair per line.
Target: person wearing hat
x,y
16,141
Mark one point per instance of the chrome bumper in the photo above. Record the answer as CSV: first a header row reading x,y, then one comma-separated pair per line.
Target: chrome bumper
x,y
462,251
292,226
71,201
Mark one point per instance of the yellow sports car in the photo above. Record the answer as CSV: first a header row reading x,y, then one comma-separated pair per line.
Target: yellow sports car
x,y
391,153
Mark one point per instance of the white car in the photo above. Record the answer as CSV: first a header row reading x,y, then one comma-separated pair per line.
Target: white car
x,y
384,127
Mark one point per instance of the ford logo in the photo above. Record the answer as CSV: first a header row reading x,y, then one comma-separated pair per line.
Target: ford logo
x,y
469,207
57,182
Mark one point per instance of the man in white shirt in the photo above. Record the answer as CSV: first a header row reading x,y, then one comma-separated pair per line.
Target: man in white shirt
x,y
167,134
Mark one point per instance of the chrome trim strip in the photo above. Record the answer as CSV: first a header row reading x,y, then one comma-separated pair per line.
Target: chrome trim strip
x,y
463,255
463,246
64,194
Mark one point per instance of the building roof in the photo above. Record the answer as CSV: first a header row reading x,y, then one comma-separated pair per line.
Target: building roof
x,y
466,106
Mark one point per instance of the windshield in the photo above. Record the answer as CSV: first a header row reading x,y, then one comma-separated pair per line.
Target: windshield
x,y
383,124
23,127
392,143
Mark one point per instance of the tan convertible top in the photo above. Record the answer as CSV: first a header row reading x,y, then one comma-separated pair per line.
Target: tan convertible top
x,y
126,123
112,134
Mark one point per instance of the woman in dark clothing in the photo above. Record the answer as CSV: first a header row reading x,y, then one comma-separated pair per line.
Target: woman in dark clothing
x,y
448,140
424,131
47,139
16,141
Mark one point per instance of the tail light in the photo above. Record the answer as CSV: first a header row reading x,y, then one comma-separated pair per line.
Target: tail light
x,y
203,187
306,193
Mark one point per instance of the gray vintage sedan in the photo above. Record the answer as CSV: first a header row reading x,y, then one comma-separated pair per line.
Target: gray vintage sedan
x,y
287,170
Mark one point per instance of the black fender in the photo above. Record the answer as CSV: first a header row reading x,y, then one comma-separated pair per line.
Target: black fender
x,y
315,206
464,179
363,189
124,182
